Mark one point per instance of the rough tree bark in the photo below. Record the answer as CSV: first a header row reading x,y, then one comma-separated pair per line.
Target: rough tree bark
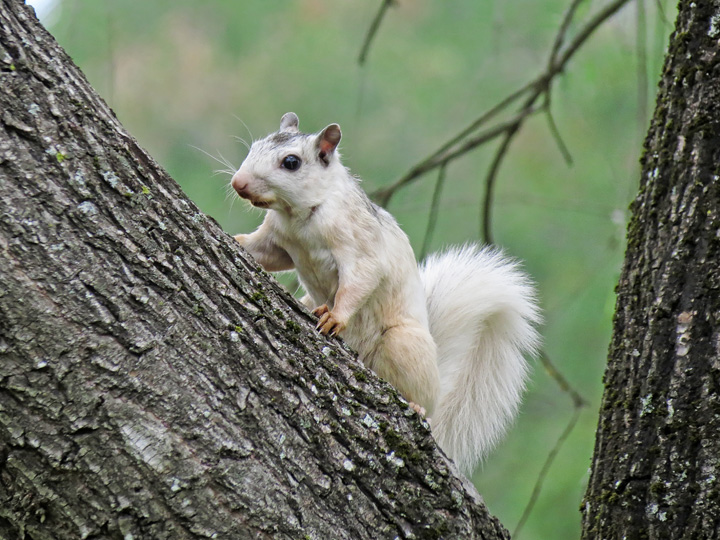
x,y
154,383
656,467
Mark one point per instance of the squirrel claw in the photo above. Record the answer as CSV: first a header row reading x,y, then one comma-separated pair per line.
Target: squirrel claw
x,y
339,327
331,326
327,324
417,408
322,310
322,321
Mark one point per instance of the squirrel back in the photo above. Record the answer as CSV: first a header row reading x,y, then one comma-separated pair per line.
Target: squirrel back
x,y
450,336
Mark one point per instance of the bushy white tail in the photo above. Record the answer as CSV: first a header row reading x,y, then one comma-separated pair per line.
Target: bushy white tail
x,y
482,311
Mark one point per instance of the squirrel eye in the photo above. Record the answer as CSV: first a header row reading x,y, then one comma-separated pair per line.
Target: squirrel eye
x,y
291,162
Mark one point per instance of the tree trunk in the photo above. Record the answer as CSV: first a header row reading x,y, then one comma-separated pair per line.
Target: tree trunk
x,y
656,467
154,383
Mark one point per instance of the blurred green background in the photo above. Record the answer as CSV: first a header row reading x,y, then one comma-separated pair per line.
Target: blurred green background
x,y
182,74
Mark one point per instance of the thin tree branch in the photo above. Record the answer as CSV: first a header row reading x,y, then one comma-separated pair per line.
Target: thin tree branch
x,y
587,31
555,132
484,118
543,87
438,159
372,31
486,233
577,399
434,208
558,58
663,15
545,469
562,31
579,403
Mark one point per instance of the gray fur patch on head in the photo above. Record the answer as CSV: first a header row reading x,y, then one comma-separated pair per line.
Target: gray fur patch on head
x,y
281,138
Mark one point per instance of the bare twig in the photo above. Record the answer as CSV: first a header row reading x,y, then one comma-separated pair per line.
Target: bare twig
x,y
588,30
558,58
578,403
663,16
555,132
562,32
440,158
485,232
434,208
542,86
577,399
372,31
483,119
545,469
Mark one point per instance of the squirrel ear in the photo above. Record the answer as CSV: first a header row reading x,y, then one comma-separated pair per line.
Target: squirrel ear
x,y
327,141
289,122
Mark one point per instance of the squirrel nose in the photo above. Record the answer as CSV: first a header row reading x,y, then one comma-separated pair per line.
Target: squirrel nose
x,y
240,181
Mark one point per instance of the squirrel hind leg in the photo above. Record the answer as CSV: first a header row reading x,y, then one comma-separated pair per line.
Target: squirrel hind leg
x,y
406,356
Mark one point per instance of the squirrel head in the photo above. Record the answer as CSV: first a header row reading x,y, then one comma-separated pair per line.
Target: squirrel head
x,y
288,170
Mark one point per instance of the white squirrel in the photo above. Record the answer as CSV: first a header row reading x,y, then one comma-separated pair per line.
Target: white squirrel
x,y
449,335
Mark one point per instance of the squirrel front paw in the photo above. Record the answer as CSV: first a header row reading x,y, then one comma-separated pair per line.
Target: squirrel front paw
x,y
417,408
328,324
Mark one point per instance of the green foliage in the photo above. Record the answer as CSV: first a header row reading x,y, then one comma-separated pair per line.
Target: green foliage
x,y
186,74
